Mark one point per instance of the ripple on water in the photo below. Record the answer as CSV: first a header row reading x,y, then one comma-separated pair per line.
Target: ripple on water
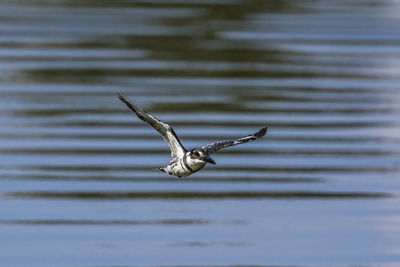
x,y
76,177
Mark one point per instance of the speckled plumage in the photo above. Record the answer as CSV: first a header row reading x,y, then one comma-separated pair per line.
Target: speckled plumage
x,y
183,162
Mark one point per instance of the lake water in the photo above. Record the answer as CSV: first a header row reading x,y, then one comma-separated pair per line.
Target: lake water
x,y
320,189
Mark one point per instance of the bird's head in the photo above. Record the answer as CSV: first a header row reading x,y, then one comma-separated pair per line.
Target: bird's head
x,y
201,155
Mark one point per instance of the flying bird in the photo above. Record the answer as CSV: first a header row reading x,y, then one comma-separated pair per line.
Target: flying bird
x,y
186,162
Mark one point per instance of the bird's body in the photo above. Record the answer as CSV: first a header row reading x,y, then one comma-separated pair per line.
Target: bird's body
x,y
183,166
184,162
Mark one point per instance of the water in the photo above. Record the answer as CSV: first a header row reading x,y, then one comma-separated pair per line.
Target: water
x,y
77,185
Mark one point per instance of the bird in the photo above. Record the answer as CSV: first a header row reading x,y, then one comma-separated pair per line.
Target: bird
x,y
186,162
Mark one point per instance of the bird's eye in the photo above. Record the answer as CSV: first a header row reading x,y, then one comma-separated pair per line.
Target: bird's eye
x,y
196,154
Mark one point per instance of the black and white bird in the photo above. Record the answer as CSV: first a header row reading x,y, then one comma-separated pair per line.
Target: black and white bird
x,y
184,162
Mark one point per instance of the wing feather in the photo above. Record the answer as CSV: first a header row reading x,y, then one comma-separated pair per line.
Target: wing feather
x,y
164,129
222,144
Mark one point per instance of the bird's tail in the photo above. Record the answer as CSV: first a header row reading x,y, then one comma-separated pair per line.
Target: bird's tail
x,y
162,169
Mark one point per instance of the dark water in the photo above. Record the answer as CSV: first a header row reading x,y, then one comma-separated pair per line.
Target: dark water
x,y
76,178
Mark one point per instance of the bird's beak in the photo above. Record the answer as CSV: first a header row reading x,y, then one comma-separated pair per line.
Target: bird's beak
x,y
209,160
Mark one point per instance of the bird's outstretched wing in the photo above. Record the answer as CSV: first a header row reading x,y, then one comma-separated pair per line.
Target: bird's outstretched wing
x,y
164,129
222,144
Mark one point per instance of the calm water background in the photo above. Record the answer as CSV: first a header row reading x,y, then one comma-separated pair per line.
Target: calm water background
x,y
76,180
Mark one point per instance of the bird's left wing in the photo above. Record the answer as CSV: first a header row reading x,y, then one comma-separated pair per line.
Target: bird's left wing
x,y
222,144
164,129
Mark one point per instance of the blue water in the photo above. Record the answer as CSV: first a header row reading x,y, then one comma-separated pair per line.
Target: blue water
x,y
320,189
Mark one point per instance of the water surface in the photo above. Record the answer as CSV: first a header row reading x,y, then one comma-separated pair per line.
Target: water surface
x,y
321,188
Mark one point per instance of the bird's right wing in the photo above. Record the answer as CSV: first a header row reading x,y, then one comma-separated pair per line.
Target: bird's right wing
x,y
164,129
222,144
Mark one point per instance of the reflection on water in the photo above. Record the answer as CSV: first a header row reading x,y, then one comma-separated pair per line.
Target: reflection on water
x,y
193,195
77,184
100,222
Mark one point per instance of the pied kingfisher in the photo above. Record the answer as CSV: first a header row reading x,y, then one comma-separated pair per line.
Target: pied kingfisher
x,y
184,162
